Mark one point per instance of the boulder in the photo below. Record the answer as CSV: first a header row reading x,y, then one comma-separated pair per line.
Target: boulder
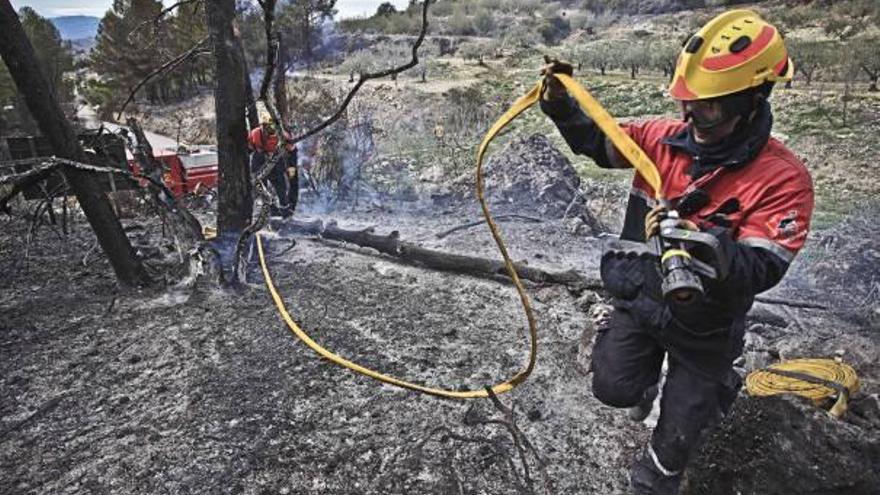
x,y
530,173
785,445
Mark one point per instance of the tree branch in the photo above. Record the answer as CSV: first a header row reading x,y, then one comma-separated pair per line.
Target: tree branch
x,y
272,52
375,75
155,20
197,49
499,218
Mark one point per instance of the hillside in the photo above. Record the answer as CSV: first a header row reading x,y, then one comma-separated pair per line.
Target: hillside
x,y
76,27
198,385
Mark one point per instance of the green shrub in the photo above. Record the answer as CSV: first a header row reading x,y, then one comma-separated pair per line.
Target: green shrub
x,y
484,22
459,22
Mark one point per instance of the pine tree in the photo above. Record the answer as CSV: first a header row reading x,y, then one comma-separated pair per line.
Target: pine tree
x,y
130,45
300,23
54,59
187,28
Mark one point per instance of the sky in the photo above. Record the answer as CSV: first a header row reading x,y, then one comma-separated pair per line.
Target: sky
x,y
54,8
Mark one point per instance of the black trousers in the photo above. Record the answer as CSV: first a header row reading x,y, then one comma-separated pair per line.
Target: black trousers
x,y
627,359
287,188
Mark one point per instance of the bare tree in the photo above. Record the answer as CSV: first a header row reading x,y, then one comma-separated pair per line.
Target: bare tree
x,y
18,54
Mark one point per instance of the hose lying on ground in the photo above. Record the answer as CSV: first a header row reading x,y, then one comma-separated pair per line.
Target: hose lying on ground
x,y
816,379
627,147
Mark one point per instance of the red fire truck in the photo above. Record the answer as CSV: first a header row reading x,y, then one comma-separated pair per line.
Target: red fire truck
x,y
187,171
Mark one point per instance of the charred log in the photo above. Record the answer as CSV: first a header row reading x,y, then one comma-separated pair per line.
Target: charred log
x,y
391,245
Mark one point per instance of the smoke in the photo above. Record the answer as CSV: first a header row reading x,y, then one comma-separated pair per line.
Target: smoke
x,y
350,174
330,43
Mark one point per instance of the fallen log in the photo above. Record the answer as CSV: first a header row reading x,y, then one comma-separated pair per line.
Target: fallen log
x,y
391,245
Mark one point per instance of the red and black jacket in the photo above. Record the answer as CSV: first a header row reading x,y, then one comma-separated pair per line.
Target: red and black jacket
x,y
758,204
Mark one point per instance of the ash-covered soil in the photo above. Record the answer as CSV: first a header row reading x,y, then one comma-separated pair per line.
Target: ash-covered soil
x,y
206,391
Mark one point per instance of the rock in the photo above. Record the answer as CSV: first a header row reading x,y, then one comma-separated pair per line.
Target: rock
x,y
768,315
575,226
785,445
530,172
866,408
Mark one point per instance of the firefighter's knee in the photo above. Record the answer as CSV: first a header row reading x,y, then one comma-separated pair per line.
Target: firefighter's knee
x,y
614,392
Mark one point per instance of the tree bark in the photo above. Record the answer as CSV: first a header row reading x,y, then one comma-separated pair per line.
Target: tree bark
x,y
250,102
18,54
279,86
235,195
253,119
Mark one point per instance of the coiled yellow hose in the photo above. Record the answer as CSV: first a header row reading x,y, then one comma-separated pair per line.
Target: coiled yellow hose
x,y
816,379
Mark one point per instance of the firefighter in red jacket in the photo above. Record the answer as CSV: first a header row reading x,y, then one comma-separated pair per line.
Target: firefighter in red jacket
x,y
725,176
284,177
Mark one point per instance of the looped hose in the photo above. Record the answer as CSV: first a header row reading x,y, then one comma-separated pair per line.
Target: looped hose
x,y
815,379
624,144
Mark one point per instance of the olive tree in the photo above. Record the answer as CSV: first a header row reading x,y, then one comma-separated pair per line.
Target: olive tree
x,y
810,56
867,56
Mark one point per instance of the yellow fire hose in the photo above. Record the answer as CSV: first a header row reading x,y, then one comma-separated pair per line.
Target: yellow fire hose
x,y
832,378
609,126
816,379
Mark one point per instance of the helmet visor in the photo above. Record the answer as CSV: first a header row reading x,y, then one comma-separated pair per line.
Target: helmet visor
x,y
704,114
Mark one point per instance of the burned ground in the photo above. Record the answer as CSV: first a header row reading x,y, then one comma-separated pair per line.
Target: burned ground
x,y
206,391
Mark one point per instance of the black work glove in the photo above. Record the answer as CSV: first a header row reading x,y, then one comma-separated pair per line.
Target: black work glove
x,y
553,89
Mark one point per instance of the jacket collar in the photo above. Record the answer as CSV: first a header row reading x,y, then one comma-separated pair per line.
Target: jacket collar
x,y
734,151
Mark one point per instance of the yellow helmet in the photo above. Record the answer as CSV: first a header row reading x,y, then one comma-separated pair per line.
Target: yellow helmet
x,y
735,51
263,114
266,118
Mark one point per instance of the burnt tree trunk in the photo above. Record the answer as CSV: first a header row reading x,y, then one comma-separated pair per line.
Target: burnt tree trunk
x,y
235,196
250,102
253,120
18,54
279,85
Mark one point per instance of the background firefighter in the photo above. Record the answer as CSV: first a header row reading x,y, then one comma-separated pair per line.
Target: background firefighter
x,y
284,176
725,176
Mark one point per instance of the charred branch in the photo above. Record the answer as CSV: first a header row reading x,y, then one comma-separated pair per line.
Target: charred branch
x,y
186,231
499,218
193,51
520,441
374,75
272,46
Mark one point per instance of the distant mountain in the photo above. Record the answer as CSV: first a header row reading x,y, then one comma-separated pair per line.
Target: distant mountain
x,y
74,27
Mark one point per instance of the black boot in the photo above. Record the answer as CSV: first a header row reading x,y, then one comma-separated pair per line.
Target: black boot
x,y
649,477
